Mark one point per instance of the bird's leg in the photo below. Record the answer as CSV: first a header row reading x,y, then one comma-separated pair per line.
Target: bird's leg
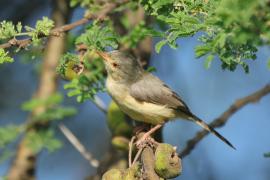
x,y
147,134
140,128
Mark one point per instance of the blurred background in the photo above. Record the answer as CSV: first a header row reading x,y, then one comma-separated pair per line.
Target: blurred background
x,y
208,93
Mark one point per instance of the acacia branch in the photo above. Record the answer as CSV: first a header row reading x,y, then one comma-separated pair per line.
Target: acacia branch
x,y
62,29
224,117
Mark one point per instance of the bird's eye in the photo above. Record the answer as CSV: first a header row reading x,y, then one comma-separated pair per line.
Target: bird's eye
x,y
115,65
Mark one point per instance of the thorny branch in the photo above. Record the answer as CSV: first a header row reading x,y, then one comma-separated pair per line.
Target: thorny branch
x,y
23,43
222,120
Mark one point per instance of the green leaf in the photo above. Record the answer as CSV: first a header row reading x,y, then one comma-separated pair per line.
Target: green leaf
x,y
151,69
44,26
19,27
74,92
7,30
42,139
8,134
73,3
159,45
98,37
202,50
208,61
37,102
4,58
55,113
138,33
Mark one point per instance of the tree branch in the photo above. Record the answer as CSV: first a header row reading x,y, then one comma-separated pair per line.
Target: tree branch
x,y
78,145
59,30
224,117
24,165
148,161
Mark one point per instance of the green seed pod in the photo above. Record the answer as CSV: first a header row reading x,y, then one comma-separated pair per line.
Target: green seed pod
x,y
120,143
167,163
116,121
113,174
70,66
132,173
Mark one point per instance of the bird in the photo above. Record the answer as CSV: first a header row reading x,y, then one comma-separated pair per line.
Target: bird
x,y
143,96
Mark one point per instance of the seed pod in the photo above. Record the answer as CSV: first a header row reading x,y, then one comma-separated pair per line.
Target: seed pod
x,y
132,173
113,174
120,143
167,163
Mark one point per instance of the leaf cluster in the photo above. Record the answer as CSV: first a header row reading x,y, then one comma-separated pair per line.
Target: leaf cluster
x,y
42,28
43,139
98,37
9,30
36,138
138,33
182,18
39,138
53,110
4,58
8,134
231,30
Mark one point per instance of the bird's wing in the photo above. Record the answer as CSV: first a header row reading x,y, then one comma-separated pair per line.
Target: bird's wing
x,y
151,89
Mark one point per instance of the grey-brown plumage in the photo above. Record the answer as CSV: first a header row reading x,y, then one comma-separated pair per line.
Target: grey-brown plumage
x,y
149,88
143,96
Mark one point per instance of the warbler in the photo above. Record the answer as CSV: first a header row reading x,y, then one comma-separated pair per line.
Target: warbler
x,y
143,96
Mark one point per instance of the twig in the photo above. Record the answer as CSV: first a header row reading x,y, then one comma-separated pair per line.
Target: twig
x,y
220,121
59,30
77,144
100,104
137,155
130,151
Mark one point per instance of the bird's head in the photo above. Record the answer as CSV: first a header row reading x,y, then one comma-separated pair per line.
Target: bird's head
x,y
121,66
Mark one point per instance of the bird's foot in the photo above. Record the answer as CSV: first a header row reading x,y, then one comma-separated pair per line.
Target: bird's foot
x,y
142,141
146,137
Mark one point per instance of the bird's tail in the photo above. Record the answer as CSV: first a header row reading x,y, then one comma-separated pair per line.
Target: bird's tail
x,y
210,129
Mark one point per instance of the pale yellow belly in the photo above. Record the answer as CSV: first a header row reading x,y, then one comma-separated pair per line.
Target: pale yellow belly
x,y
145,112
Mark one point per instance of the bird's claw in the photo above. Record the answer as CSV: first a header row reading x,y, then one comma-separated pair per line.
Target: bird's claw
x,y
145,140
142,142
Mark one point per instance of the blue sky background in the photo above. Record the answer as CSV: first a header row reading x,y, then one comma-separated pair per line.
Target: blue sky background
x,y
207,92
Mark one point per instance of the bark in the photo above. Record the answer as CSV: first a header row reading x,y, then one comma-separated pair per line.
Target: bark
x,y
148,161
24,164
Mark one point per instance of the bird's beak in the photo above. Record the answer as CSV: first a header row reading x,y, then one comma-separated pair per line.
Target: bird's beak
x,y
104,55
